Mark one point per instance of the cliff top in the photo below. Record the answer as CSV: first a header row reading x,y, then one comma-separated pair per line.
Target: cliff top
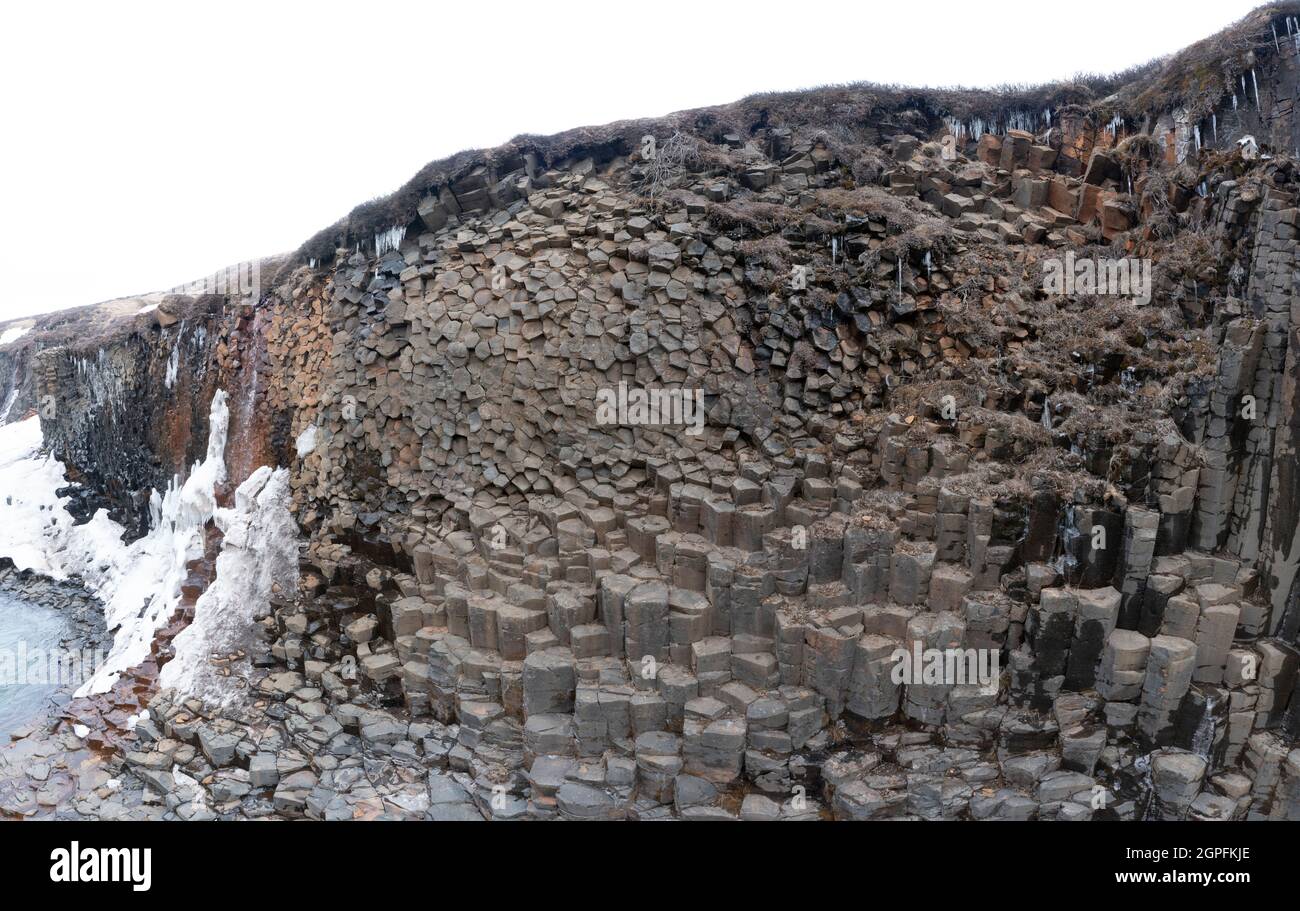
x,y
1191,79
852,116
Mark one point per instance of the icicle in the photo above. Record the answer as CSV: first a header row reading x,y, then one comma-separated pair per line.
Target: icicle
x,y
389,240
1196,131
1255,83
1274,30
173,366
1214,126
1130,184
927,265
900,275
1234,101
1203,736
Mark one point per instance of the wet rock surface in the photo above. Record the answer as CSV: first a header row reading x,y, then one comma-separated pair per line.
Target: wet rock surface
x,y
77,607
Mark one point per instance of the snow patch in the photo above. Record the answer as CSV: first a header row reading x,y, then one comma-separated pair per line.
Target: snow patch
x,y
306,441
35,531
13,334
258,553
140,583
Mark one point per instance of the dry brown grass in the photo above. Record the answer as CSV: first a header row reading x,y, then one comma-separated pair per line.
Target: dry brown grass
x,y
1199,76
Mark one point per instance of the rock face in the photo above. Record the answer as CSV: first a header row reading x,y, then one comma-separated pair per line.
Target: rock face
x,y
738,464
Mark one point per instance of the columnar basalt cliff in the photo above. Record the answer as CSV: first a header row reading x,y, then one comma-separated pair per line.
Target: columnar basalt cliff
x,y
1006,379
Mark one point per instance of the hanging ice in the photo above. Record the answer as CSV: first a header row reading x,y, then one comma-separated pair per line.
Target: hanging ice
x,y
1203,735
9,404
389,240
173,365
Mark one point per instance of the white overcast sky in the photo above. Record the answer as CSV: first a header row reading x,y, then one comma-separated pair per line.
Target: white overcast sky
x,y
147,144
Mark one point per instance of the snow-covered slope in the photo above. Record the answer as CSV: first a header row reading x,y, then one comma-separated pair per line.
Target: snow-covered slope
x,y
139,583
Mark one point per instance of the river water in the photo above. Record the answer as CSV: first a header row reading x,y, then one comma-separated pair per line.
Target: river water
x,y
25,630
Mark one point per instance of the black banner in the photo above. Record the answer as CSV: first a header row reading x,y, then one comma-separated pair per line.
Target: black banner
x,y
297,860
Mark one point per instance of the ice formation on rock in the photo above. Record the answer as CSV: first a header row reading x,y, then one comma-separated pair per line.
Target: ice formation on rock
x,y
389,240
142,585
9,405
306,442
173,365
139,583
259,551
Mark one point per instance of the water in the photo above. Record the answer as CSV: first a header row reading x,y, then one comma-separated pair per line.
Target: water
x,y
39,628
